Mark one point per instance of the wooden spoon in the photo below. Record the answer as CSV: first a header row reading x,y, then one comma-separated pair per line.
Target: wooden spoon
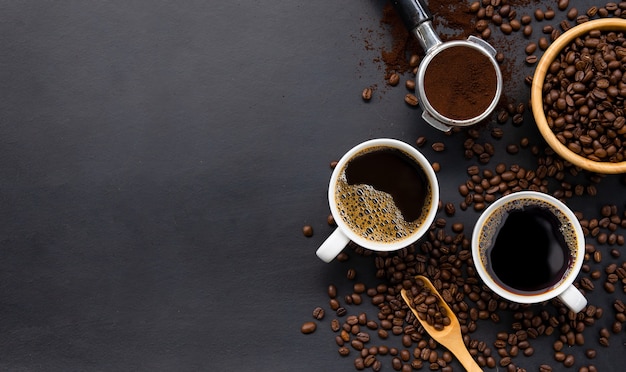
x,y
450,336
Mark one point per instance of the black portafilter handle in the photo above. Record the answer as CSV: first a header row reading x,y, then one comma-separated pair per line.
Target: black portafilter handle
x,y
412,12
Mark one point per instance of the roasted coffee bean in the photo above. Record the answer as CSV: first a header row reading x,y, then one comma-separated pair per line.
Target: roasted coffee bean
x,y
530,48
474,7
559,356
308,327
592,11
512,149
359,364
604,341
438,146
307,230
411,99
497,133
363,337
531,59
449,209
393,79
506,28
318,313
410,85
351,274
527,30
572,14
366,94
586,284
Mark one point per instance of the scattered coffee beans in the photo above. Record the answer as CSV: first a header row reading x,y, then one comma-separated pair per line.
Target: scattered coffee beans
x,y
444,253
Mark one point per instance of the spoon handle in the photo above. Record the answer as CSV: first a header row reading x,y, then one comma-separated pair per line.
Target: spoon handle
x,y
465,358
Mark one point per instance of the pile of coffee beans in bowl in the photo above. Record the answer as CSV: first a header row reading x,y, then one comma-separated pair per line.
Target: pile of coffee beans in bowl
x,y
583,96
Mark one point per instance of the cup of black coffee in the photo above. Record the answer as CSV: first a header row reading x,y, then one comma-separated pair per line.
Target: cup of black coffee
x,y
528,247
383,195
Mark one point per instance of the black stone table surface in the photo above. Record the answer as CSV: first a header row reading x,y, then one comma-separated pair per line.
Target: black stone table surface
x,y
159,159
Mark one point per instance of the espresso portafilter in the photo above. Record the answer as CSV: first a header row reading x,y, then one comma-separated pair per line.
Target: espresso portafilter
x,y
418,20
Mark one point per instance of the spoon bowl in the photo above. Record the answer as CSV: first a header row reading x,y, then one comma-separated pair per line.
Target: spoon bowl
x,y
450,336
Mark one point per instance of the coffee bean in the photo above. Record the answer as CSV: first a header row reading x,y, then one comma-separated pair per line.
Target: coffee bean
x,y
586,284
497,133
569,360
341,311
410,85
474,7
531,59
436,167
318,313
572,14
449,209
411,99
604,341
592,11
363,337
597,256
308,327
512,149
438,146
366,94
547,29
393,79
359,364
530,48
351,274
307,230
527,30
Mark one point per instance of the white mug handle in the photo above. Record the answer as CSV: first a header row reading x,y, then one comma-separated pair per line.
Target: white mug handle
x,y
573,299
332,246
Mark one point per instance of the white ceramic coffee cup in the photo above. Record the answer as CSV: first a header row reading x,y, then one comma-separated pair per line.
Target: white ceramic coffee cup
x,y
563,288
335,243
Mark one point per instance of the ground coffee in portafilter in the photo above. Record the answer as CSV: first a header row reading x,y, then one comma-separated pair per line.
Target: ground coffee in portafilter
x,y
383,194
460,82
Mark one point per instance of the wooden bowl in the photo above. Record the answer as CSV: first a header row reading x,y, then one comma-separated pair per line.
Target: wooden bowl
x,y
536,94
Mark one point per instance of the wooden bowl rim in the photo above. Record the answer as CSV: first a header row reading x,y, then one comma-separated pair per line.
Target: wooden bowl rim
x,y
536,94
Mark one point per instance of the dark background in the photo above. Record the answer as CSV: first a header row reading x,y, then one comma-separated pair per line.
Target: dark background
x,y
158,160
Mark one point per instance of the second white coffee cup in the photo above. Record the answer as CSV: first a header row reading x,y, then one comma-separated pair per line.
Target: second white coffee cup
x,y
528,247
